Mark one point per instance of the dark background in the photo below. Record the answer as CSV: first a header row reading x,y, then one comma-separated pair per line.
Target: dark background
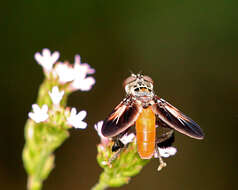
x,y
188,47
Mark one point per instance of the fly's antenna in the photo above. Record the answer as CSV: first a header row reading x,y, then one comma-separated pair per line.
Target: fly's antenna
x,y
132,73
140,75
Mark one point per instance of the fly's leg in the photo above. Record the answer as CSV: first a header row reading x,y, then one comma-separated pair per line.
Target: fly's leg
x,y
164,141
157,155
114,156
162,164
117,147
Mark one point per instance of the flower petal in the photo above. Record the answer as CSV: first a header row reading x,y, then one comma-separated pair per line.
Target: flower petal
x,y
44,108
84,84
65,72
55,56
82,114
127,138
56,95
39,114
73,111
82,125
167,152
76,120
46,60
98,128
46,52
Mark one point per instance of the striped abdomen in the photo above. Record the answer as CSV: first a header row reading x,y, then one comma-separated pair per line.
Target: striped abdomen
x,y
145,133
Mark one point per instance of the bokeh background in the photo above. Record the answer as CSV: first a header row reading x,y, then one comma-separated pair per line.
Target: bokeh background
x,y
188,47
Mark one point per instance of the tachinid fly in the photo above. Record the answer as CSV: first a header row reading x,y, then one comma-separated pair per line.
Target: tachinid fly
x,y
142,108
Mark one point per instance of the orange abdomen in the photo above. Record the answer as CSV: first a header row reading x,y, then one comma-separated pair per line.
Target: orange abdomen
x,y
145,133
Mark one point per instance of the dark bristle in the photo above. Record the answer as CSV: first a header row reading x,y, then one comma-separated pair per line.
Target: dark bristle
x,y
167,143
117,145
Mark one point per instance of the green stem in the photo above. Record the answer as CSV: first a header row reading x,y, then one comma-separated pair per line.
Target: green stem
x,y
120,170
33,183
41,141
101,185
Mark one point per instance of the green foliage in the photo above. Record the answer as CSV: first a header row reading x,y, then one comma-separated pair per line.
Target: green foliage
x,y
48,123
42,139
118,169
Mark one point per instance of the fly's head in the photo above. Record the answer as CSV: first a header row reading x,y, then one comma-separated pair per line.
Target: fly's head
x,y
140,87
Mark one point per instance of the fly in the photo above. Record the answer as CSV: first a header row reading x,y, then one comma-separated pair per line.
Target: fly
x,y
142,108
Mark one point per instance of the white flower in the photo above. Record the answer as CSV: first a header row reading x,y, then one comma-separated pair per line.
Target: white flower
x,y
82,67
127,138
76,120
81,81
98,128
47,60
84,84
167,152
56,95
39,114
76,74
65,72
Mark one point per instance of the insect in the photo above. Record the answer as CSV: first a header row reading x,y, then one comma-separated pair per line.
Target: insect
x,y
142,108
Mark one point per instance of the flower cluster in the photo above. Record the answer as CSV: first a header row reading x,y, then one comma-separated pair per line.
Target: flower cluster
x,y
76,75
68,78
75,120
50,118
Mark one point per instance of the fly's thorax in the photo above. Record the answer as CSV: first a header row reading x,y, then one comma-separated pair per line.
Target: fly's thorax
x,y
140,87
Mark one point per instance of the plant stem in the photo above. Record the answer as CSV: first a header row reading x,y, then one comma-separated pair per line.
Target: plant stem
x,y
101,185
118,171
33,183
42,139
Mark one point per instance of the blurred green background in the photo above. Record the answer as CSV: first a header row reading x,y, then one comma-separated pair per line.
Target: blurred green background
x,y
188,47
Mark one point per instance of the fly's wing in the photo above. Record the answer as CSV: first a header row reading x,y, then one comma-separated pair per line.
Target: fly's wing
x,y
175,119
122,117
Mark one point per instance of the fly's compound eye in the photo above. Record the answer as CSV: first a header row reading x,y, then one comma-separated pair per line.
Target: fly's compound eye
x,y
147,78
129,80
